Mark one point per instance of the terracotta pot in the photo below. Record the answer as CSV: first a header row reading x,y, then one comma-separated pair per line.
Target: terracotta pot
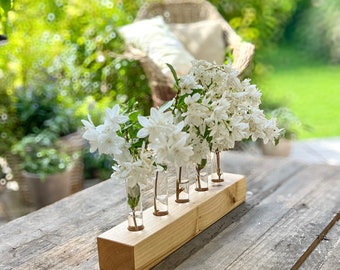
x,y
283,149
50,190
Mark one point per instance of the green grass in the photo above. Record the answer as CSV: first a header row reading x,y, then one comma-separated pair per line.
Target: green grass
x,y
310,88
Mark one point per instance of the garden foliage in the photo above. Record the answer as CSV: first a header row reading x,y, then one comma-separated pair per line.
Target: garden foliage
x,y
316,29
73,48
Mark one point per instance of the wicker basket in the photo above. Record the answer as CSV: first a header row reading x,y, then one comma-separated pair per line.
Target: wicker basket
x,y
187,11
13,162
73,143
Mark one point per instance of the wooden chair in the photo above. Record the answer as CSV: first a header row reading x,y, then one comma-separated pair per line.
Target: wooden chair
x,y
188,11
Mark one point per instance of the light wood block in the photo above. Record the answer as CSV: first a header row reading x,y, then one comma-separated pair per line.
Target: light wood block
x,y
119,248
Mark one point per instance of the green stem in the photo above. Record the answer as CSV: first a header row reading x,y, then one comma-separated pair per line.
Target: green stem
x,y
198,178
134,218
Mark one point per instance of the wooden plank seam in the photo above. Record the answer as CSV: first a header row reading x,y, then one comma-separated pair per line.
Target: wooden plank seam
x,y
316,242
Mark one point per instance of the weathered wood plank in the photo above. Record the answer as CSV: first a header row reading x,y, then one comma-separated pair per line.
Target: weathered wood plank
x,y
286,241
63,235
331,259
264,176
278,230
326,255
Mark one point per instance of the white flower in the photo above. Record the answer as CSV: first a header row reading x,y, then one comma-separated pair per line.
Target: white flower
x,y
200,147
158,120
124,155
254,95
196,112
271,131
91,134
110,142
135,171
113,118
187,84
172,147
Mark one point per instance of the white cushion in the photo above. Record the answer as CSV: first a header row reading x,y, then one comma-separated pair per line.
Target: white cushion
x,y
203,39
153,37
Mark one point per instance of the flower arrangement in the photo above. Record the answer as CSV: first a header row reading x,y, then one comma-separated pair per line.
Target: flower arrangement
x,y
219,109
212,110
139,145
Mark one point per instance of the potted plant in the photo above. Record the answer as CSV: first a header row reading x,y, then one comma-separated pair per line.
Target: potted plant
x,y
46,167
290,126
43,107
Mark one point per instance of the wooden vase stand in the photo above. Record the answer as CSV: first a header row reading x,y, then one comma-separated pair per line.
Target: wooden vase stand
x,y
119,248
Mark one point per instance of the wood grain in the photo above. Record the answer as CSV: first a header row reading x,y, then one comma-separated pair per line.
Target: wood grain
x,y
288,204
324,245
283,224
119,248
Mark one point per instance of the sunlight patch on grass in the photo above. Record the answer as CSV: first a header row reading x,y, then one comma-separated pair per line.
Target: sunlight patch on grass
x,y
311,89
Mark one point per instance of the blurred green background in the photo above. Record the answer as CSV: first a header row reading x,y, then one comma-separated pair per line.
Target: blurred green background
x,y
62,61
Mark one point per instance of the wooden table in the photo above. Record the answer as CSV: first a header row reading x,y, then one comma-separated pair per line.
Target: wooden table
x,y
291,211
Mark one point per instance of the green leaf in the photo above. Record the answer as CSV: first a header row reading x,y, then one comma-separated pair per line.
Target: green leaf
x,y
173,72
202,164
134,116
6,5
133,196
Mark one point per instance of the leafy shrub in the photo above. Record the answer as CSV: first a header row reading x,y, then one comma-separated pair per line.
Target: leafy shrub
x,y
77,45
40,154
261,22
317,29
9,131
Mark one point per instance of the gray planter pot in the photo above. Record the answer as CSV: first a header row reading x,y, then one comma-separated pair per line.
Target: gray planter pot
x,y
283,149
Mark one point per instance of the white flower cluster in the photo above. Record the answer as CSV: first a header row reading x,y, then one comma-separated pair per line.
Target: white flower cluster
x,y
104,137
109,139
167,140
219,109
212,110
162,142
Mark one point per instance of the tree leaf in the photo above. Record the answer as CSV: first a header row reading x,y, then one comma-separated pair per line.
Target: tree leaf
x,y
6,5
